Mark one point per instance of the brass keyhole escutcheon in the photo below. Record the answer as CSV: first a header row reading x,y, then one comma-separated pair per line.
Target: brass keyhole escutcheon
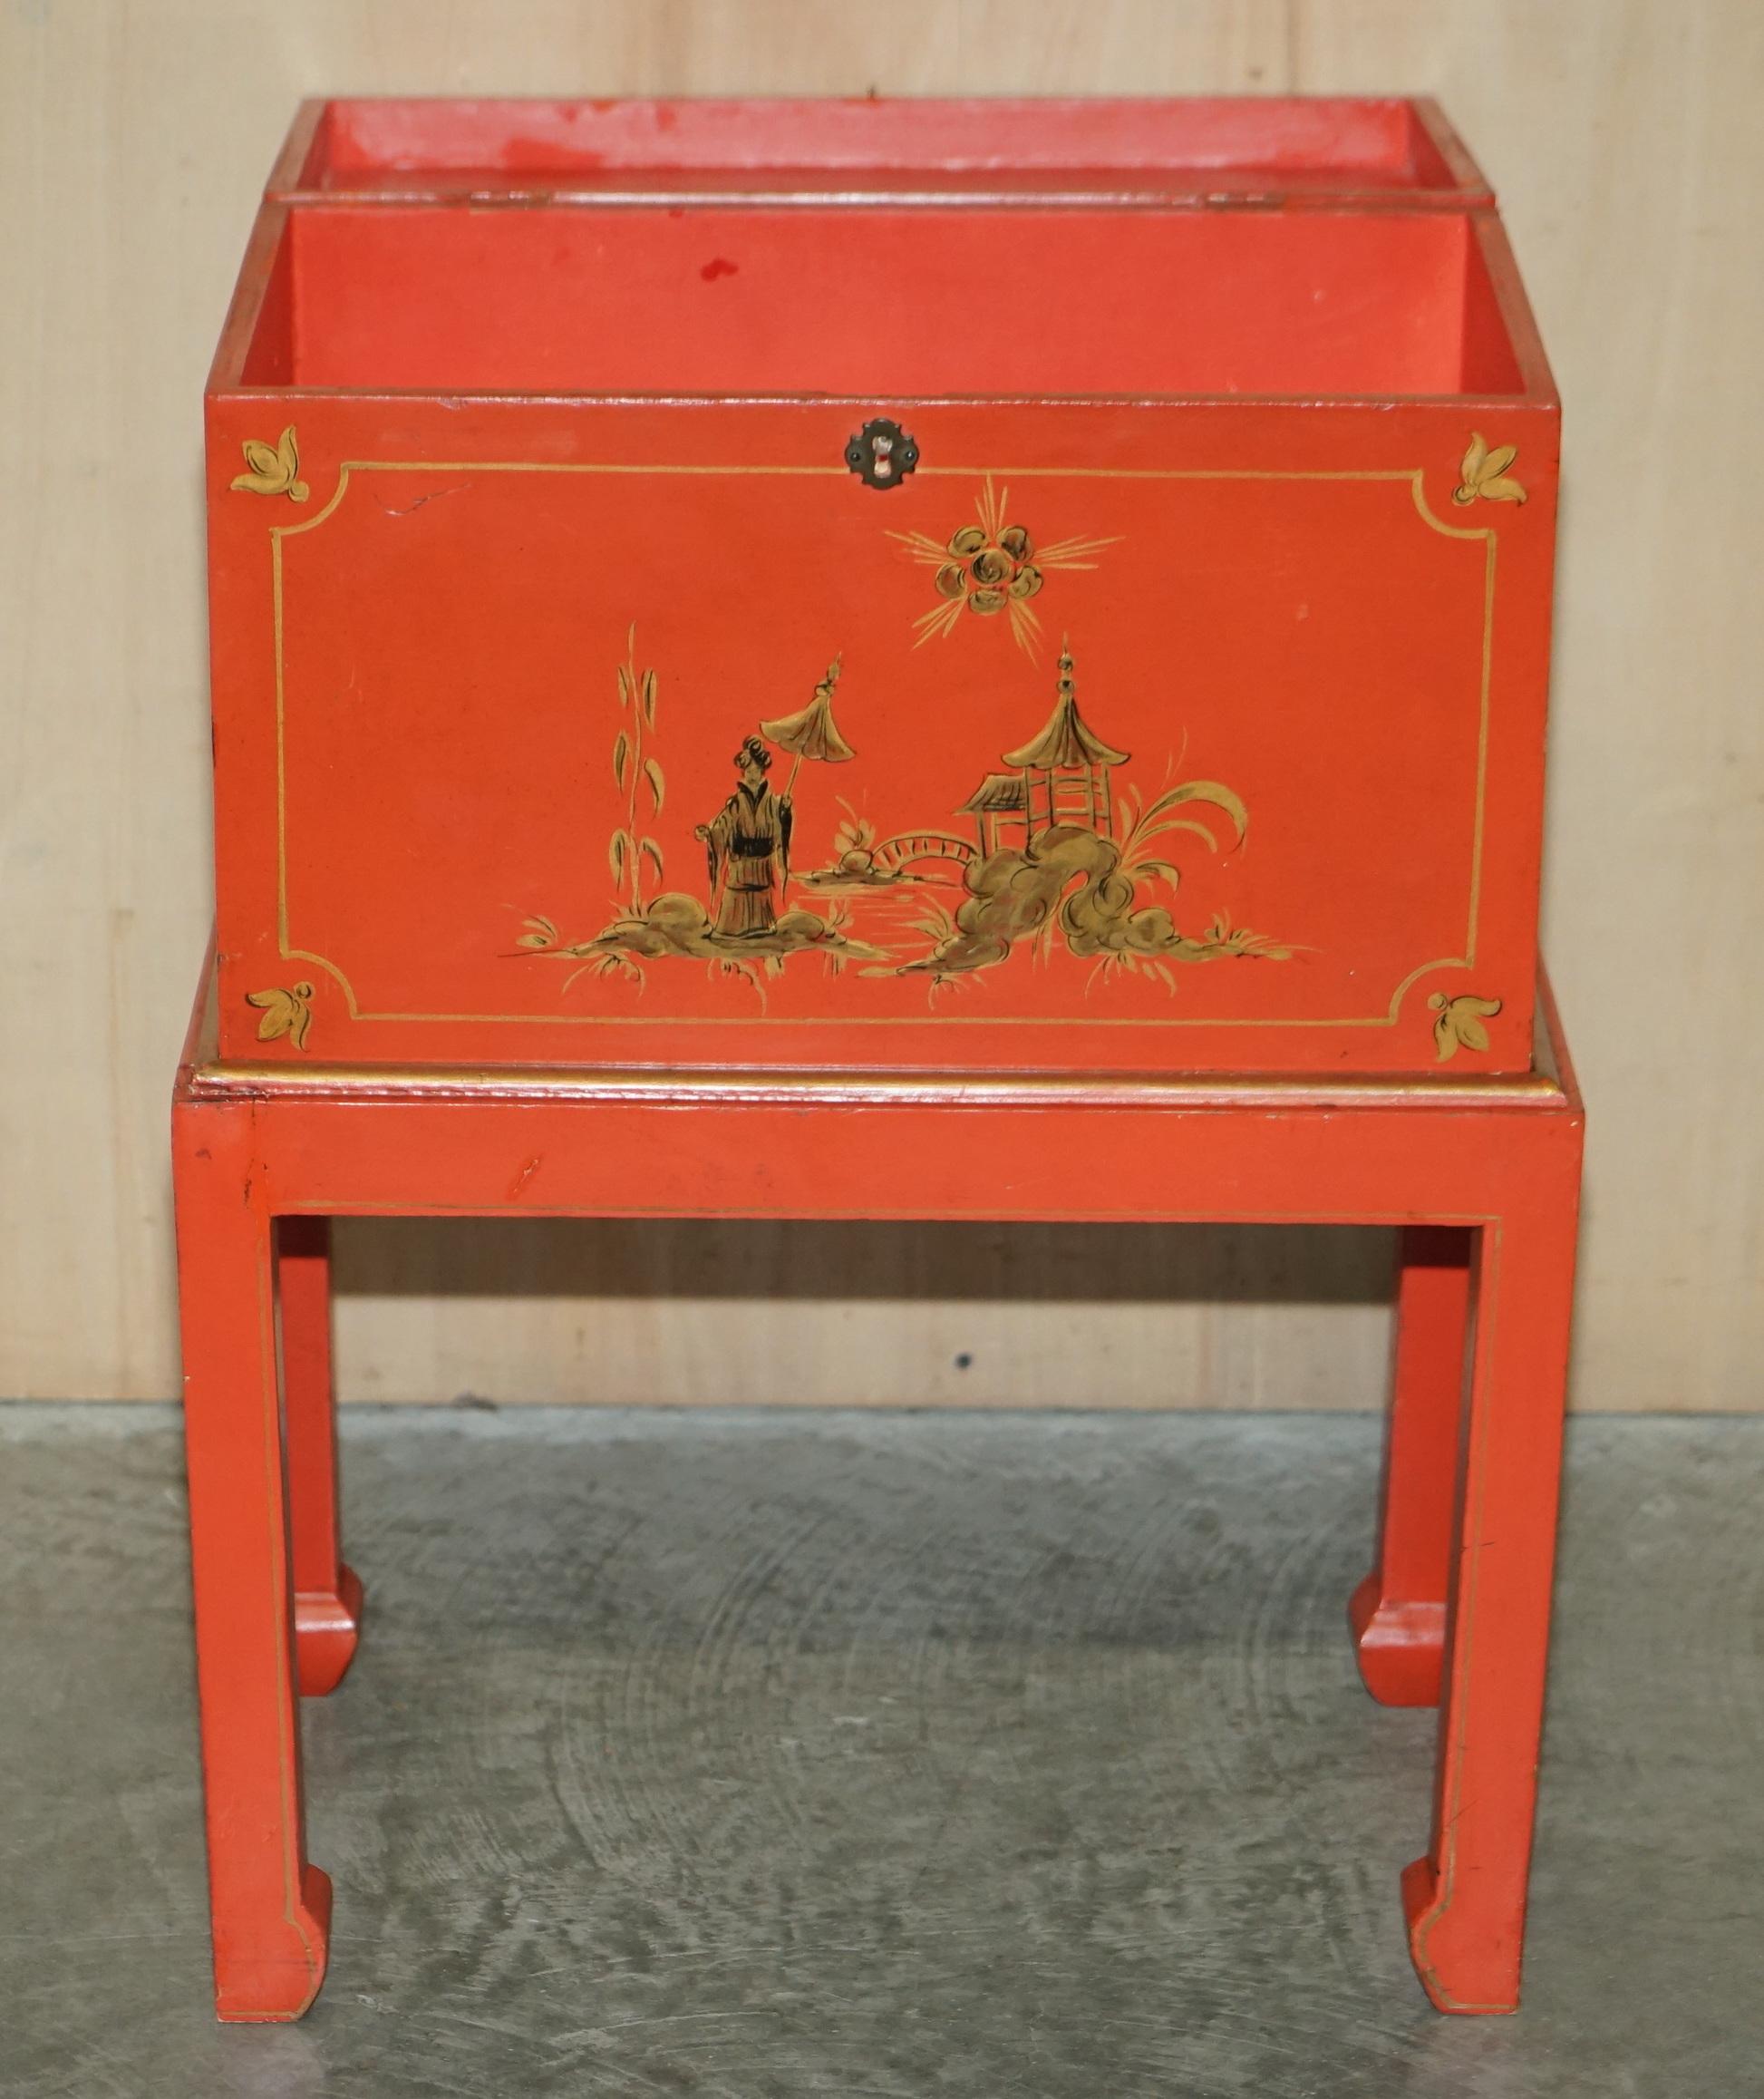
x,y
882,455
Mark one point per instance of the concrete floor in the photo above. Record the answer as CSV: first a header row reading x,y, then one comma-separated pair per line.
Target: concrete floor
x,y
875,1755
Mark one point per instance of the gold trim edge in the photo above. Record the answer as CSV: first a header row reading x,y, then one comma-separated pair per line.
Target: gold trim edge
x,y
991,1089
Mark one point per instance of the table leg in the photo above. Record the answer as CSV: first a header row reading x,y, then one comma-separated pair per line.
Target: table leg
x,y
271,1909
327,1598
1465,1901
1398,1612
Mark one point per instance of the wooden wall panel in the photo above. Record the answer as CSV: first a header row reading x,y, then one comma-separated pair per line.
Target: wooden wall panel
x,y
133,137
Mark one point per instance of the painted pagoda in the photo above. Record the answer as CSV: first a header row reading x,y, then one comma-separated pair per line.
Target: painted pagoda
x,y
1061,777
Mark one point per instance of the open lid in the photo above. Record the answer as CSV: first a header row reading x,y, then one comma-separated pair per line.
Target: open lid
x,y
1196,150
1187,248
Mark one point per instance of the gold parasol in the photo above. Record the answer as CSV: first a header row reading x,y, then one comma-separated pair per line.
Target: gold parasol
x,y
811,733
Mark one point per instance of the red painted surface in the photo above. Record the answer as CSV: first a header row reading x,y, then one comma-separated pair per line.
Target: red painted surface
x,y
1468,1537
1398,1612
523,433
582,299
327,1600
1200,147
466,461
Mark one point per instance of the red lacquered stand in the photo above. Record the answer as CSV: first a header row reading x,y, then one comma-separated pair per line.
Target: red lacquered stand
x,y
1481,1174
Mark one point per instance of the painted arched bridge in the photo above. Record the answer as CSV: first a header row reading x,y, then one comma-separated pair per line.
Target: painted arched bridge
x,y
913,849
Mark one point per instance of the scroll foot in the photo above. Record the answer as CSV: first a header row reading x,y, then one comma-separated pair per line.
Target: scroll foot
x,y
1399,1647
262,1987
328,1629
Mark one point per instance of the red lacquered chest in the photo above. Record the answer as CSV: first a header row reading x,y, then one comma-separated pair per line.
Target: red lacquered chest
x,y
1025,586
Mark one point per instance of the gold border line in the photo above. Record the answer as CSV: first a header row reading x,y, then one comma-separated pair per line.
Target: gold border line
x,y
367,1206
609,1086
1412,475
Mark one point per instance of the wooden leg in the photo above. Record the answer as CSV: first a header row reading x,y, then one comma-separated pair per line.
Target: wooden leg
x,y
271,1910
1465,1901
327,1598
1398,1612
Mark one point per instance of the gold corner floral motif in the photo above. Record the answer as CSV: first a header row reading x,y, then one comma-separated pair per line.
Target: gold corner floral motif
x,y
275,469
1458,1022
1483,474
990,568
285,1012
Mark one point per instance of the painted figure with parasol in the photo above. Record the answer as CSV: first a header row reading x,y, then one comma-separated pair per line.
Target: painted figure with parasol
x,y
747,842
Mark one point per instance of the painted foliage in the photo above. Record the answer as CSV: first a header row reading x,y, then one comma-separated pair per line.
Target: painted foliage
x,y
1059,850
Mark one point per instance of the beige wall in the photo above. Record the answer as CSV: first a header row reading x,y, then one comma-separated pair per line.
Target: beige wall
x,y
1625,138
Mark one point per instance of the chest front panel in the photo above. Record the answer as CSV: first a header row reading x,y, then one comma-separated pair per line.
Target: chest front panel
x,y
1107,737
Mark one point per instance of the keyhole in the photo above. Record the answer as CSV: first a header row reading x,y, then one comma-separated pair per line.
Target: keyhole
x,y
881,454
